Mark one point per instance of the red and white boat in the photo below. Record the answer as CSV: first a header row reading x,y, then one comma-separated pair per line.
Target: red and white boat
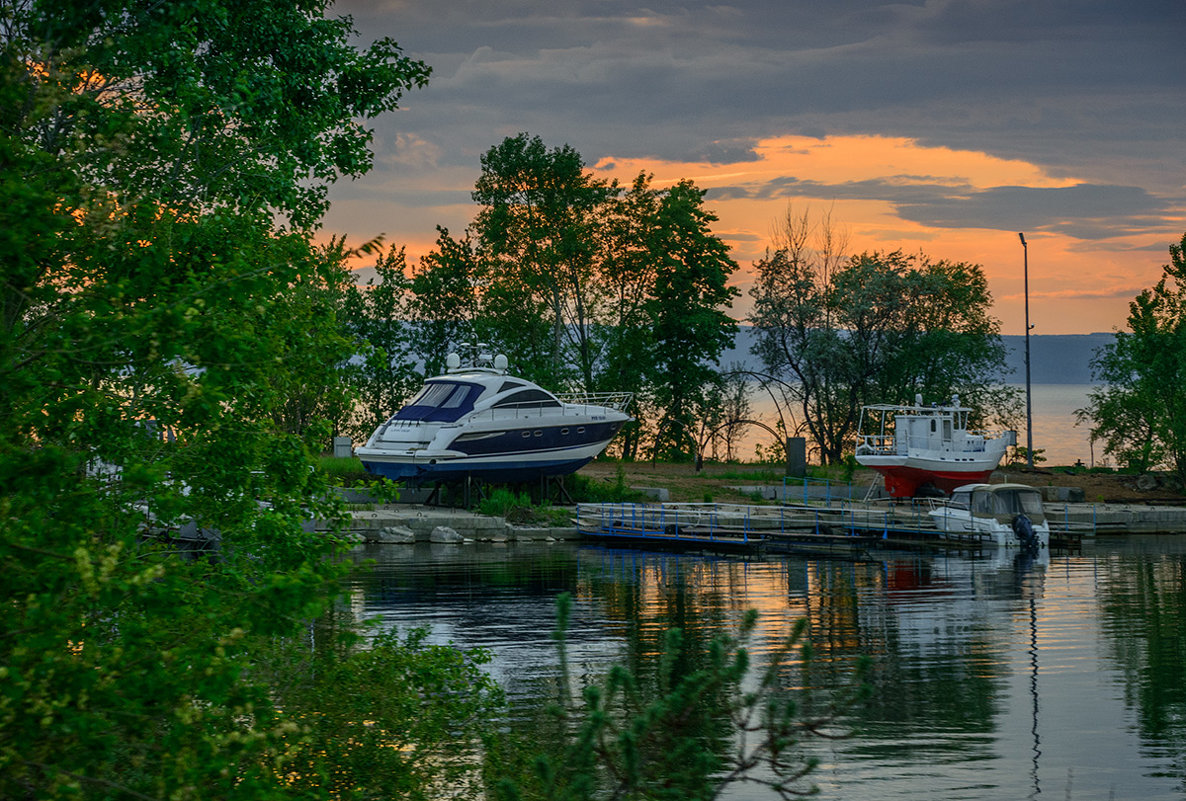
x,y
920,449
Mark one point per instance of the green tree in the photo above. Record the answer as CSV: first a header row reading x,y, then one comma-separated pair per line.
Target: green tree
x,y
686,307
314,321
381,372
398,718
584,283
632,250
1140,411
839,333
444,307
537,230
162,168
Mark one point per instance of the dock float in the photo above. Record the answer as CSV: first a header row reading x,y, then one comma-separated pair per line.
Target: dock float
x,y
849,528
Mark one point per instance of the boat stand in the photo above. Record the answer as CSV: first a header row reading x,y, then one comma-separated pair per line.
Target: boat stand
x,y
474,491
440,495
562,494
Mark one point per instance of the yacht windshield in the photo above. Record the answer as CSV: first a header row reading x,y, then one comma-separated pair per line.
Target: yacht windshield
x,y
441,402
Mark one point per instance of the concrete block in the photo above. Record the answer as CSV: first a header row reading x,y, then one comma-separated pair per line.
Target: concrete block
x,y
445,534
1063,494
394,535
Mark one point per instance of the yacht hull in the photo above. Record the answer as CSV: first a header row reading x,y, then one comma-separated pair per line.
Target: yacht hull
x,y
517,454
500,469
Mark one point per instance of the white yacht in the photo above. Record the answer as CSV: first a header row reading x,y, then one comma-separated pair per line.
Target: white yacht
x,y
477,421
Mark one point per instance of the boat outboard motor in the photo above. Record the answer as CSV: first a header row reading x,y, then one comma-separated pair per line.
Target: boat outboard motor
x,y
1024,530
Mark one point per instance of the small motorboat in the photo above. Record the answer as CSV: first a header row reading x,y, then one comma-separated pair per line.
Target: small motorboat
x,y
476,421
1005,515
927,450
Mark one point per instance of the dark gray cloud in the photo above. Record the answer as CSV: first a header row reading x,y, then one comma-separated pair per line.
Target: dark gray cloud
x,y
1093,88
1083,211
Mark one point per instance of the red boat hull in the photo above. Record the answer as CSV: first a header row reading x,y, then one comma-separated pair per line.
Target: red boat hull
x,y
904,482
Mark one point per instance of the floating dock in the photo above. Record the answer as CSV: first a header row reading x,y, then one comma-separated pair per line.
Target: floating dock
x,y
846,528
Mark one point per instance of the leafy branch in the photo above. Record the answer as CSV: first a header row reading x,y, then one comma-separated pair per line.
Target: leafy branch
x,y
684,733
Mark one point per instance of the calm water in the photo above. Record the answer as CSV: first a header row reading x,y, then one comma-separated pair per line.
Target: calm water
x,y
993,680
1055,428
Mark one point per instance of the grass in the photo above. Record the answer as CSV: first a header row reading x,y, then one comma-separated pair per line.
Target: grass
x,y
344,471
585,490
742,474
517,509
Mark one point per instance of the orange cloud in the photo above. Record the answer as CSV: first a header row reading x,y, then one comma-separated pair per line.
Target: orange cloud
x,y
1076,285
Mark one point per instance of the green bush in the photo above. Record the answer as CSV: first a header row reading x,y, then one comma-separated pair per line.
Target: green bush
x,y
518,509
585,490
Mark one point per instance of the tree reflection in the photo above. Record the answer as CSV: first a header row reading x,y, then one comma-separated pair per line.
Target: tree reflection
x,y
1143,609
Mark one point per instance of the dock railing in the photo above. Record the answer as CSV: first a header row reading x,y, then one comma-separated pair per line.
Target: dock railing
x,y
714,522
805,490
733,523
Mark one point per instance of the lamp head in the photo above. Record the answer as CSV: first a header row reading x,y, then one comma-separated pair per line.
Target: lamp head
x,y
1021,236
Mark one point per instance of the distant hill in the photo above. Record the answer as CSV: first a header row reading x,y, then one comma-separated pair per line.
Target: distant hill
x,y
1061,359
1054,359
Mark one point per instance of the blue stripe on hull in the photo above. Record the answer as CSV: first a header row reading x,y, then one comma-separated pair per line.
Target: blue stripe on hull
x,y
509,472
530,439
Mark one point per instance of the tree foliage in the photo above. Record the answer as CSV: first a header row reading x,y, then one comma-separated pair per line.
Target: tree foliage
x,y
688,325
444,304
400,718
838,333
163,165
536,228
587,285
375,316
1140,411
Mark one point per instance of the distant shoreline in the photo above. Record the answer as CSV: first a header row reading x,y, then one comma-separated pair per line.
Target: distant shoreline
x,y
1054,358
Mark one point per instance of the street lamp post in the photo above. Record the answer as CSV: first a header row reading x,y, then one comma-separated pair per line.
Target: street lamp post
x,y
1029,413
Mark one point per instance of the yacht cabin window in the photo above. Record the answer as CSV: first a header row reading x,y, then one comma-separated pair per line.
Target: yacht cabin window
x,y
527,399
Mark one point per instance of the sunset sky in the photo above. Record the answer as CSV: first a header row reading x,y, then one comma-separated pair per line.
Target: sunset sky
x,y
945,126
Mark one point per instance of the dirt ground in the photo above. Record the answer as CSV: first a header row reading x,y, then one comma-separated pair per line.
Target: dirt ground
x,y
713,483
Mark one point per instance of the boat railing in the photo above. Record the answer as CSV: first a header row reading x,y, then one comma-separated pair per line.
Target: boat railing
x,y
880,444
618,401
584,403
887,444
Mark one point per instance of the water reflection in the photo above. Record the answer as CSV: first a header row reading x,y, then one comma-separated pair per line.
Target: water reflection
x,y
1142,593
994,678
